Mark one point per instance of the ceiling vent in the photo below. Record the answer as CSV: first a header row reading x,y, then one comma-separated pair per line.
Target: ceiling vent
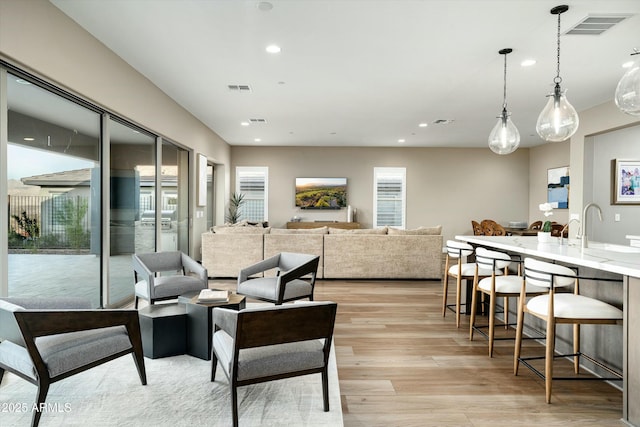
x,y
595,25
239,88
257,121
442,122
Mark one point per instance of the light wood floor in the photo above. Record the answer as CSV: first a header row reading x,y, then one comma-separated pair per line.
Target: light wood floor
x,y
401,363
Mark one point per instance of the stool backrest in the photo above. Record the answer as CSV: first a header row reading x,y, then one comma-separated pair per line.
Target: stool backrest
x,y
456,249
492,259
546,274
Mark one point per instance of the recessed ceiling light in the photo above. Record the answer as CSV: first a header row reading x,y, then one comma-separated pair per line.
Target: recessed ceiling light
x,y
264,6
423,125
400,141
273,48
628,64
528,62
244,123
28,138
257,140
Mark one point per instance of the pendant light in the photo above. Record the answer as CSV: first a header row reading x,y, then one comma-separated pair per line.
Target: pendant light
x,y
558,120
504,137
628,89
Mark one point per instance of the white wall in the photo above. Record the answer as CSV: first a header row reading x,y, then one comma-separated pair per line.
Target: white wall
x,y
445,186
542,158
623,144
38,38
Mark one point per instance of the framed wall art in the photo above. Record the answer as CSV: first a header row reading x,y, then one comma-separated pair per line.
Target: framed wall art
x,y
625,182
558,187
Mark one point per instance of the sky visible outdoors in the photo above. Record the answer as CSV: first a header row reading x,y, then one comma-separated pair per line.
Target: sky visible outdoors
x,y
23,162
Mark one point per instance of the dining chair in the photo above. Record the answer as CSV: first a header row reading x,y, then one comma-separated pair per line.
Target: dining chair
x,y
477,228
554,308
496,286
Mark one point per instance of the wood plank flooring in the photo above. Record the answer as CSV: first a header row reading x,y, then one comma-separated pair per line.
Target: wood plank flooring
x,y
401,363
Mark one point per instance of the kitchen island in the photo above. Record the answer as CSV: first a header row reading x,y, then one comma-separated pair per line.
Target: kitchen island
x,y
598,260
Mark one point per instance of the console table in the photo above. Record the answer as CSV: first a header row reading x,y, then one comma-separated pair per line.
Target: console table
x,y
318,224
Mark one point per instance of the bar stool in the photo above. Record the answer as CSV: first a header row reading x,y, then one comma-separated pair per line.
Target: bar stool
x,y
460,271
554,308
495,286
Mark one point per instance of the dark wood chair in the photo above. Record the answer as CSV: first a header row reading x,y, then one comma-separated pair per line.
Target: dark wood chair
x,y
556,229
537,225
45,340
271,343
477,228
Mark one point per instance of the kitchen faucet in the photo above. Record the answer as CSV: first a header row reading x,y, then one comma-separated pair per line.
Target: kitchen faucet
x,y
566,227
583,234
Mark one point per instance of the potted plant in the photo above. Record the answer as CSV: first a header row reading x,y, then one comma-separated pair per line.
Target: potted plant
x,y
235,203
544,235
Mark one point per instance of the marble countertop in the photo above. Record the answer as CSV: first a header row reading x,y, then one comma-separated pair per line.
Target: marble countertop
x,y
618,259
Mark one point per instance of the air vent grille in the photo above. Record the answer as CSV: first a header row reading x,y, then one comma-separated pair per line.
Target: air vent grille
x,y
255,121
239,88
442,122
595,25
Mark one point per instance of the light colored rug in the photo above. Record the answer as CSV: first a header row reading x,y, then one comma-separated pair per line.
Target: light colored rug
x,y
178,393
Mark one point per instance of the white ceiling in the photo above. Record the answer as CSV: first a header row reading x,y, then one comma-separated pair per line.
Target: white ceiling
x,y
363,73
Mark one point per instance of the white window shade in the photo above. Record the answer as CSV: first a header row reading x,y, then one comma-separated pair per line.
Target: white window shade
x,y
252,182
389,197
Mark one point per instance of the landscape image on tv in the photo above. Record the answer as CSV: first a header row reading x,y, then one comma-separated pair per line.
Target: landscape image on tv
x,y
321,193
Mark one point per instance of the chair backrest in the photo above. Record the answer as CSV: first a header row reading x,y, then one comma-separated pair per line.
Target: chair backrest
x,y
456,249
492,259
556,229
487,227
285,323
537,225
161,261
548,275
290,260
477,228
498,230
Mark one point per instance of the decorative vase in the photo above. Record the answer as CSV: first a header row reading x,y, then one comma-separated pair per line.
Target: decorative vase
x,y
544,237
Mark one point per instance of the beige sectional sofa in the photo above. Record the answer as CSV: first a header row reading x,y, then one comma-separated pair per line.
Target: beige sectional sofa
x,y
344,254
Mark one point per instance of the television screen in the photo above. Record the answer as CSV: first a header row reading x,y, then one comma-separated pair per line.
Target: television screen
x,y
321,193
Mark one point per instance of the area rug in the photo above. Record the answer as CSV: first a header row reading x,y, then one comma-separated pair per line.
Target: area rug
x,y
178,393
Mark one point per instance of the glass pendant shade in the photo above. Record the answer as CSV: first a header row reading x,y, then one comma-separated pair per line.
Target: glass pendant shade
x,y
628,90
504,137
558,121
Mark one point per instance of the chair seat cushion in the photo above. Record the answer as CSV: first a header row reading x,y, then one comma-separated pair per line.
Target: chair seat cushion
x,y
269,360
509,285
65,352
469,269
265,288
169,286
573,306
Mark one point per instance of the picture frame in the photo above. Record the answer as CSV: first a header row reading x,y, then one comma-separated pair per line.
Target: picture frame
x,y
558,187
625,182
202,179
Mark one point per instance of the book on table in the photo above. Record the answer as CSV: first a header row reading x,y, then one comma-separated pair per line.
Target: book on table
x,y
213,295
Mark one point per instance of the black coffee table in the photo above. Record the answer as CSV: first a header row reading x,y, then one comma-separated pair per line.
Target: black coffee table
x,y
200,321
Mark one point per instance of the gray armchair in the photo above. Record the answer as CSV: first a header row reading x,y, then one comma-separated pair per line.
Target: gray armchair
x,y
166,275
271,343
288,284
44,340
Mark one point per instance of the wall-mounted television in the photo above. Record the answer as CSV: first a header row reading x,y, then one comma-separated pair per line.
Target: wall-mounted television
x,y
321,193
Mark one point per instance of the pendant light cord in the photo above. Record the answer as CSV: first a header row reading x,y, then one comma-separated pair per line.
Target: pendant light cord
x,y
504,96
558,79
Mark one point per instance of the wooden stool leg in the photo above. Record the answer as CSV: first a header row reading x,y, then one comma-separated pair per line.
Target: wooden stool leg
x,y
548,360
492,319
518,344
445,286
506,312
474,298
576,348
458,296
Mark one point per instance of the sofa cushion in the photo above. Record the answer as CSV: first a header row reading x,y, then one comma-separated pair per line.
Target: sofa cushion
x,y
319,230
420,231
382,230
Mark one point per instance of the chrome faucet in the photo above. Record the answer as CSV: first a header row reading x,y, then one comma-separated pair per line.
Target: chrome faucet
x,y
583,234
566,227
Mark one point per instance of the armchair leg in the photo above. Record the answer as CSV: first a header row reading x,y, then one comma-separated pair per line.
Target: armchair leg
x,y
234,404
214,365
43,389
325,389
1,374
135,303
138,358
